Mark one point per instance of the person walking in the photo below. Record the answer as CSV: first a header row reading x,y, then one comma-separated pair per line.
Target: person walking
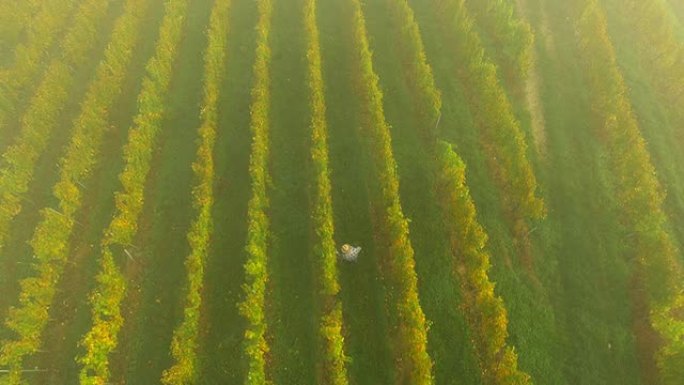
x,y
349,253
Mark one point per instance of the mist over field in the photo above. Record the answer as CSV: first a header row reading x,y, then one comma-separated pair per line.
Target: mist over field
x,y
342,192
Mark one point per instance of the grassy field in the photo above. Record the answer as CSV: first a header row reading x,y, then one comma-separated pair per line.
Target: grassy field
x,y
585,260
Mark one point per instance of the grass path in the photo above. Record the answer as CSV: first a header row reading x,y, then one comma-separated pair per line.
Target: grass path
x,y
291,309
362,290
220,353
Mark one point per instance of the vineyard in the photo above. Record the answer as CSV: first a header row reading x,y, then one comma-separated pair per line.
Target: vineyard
x,y
178,178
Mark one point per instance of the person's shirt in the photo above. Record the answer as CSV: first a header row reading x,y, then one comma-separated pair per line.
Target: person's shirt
x,y
352,254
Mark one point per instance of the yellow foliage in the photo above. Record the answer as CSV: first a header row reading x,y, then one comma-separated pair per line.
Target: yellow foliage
x,y
51,237
639,193
184,342
108,294
414,365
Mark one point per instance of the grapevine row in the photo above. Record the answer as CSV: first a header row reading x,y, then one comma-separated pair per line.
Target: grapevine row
x,y
500,133
13,20
484,310
417,68
256,273
28,56
333,370
106,299
661,50
184,342
498,361
414,365
50,241
44,110
511,38
639,193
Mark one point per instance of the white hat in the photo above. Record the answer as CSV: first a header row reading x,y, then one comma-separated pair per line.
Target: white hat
x,y
346,248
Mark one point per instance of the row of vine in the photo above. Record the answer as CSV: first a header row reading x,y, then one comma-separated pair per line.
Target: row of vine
x,y
639,194
41,116
110,289
416,68
256,270
661,51
408,323
184,341
501,137
13,21
333,370
510,39
50,242
21,73
485,311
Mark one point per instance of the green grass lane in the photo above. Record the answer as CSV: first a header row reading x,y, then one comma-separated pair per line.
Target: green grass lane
x,y
155,273
532,323
362,290
220,353
67,326
291,316
448,338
